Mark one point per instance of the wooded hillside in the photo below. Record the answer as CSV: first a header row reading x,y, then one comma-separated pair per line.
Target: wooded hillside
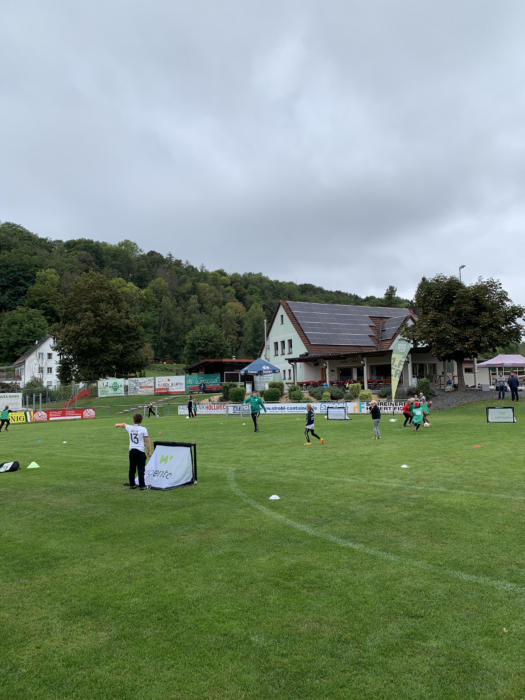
x,y
181,311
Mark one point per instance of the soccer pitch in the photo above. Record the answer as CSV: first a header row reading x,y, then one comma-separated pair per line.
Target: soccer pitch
x,y
364,579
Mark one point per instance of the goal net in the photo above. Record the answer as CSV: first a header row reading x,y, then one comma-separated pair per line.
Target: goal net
x,y
336,413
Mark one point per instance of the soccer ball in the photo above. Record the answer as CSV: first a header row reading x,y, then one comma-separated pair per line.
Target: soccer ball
x,y
426,425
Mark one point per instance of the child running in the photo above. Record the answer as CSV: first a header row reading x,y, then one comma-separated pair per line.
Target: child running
x,y
418,416
309,428
407,412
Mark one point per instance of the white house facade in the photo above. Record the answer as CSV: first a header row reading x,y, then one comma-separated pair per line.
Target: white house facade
x,y
337,344
39,362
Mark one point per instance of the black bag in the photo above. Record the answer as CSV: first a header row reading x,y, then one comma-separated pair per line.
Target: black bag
x,y
9,466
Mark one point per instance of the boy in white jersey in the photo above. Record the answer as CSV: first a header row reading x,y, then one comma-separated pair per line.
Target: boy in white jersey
x,y
138,443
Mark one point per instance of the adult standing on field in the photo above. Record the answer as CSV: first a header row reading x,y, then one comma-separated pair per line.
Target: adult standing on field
x,y
139,444
513,383
191,409
256,403
501,385
375,413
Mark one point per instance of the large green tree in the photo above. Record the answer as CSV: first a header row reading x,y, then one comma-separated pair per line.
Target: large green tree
x,y
100,330
19,329
459,321
205,342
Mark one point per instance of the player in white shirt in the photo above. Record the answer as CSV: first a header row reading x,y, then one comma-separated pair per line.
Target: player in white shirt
x,y
139,443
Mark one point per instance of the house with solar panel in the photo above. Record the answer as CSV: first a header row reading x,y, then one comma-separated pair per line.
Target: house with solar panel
x,y
314,343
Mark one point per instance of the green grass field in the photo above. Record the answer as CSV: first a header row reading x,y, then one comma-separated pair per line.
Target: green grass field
x,y
365,580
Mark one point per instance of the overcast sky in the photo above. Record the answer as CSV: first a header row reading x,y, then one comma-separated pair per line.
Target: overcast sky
x,y
350,144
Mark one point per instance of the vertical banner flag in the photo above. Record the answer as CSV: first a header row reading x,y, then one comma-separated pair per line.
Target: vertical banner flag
x,y
400,349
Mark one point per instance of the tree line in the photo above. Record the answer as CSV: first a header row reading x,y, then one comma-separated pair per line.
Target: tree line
x,y
114,308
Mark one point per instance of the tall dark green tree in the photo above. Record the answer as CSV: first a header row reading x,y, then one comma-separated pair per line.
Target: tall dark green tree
x,y
458,321
100,330
205,342
253,331
19,329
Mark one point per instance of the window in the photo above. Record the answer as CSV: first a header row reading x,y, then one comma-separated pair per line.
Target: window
x,y
289,374
420,370
289,345
284,374
49,355
40,356
50,370
282,319
49,385
276,348
282,347
40,370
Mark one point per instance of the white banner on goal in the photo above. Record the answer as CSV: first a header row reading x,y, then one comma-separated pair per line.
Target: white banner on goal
x,y
172,464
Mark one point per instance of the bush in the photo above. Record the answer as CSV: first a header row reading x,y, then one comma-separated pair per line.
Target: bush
x,y
316,392
277,385
325,396
335,392
365,395
354,390
226,388
33,386
237,394
385,392
423,386
272,395
296,395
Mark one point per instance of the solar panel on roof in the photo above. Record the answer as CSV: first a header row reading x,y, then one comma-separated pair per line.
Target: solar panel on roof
x,y
337,324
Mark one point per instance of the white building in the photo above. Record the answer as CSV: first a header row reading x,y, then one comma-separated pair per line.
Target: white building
x,y
39,362
336,343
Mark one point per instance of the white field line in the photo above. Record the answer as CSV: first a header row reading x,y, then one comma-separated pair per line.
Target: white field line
x,y
358,547
393,484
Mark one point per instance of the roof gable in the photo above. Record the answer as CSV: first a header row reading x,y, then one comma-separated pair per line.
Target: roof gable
x,y
338,326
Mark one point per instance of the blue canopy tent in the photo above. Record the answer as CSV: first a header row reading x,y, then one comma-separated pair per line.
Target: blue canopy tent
x,y
260,366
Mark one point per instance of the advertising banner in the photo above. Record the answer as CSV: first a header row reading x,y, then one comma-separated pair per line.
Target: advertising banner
x,y
141,385
14,401
20,417
195,380
384,406
400,349
205,409
172,464
293,408
170,385
110,387
63,414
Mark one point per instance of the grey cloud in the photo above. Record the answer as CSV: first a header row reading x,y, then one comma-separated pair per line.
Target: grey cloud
x,y
365,143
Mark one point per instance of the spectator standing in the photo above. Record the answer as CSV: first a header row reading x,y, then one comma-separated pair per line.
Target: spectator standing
x,y
501,385
513,383
376,417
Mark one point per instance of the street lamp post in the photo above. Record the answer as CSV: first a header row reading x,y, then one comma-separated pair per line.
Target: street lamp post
x,y
460,268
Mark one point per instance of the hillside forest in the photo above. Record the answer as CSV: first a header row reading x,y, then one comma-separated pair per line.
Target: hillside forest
x,y
137,306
